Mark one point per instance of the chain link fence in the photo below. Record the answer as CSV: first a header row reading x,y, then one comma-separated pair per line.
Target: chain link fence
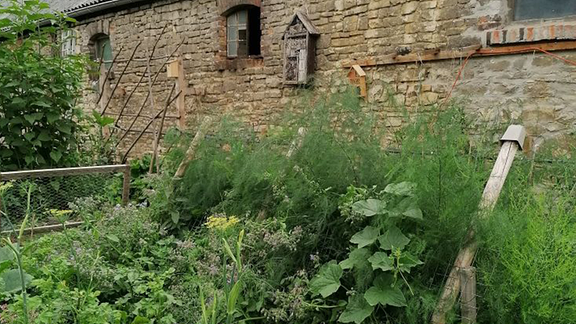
x,y
53,190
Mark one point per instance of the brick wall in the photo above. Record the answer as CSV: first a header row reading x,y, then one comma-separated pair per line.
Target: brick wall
x,y
533,88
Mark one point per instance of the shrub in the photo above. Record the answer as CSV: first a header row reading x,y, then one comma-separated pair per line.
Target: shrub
x,y
38,89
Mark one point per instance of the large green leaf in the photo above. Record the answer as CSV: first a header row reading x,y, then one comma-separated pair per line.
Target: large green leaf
x,y
327,281
56,156
369,207
357,310
393,238
356,258
6,254
407,261
365,237
385,292
407,207
401,189
381,260
11,279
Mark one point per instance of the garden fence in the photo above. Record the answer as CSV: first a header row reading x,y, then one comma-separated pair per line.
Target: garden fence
x,y
59,189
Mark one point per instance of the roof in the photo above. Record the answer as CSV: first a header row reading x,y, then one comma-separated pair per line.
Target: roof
x,y
75,8
306,22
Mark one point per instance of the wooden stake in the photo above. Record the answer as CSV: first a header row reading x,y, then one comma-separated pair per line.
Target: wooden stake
x,y
466,255
468,295
159,134
191,152
181,102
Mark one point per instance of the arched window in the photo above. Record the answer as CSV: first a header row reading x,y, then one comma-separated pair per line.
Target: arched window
x,y
103,50
243,32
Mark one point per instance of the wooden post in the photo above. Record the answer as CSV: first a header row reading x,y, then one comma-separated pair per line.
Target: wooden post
x,y
297,142
126,185
489,198
182,87
191,152
468,295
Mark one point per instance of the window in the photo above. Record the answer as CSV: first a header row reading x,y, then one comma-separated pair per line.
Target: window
x,y
68,42
243,32
539,9
103,50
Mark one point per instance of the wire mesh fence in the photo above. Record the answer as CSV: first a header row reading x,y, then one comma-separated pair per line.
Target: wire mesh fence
x,y
52,190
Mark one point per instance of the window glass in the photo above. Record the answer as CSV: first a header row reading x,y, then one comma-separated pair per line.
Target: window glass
x,y
104,51
538,9
243,32
68,42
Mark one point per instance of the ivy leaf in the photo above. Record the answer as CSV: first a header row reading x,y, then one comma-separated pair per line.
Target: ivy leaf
x,y
327,281
356,311
407,261
365,237
355,259
11,279
381,260
385,292
393,238
56,156
369,207
401,189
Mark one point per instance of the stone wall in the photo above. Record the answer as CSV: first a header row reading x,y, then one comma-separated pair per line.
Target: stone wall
x,y
533,88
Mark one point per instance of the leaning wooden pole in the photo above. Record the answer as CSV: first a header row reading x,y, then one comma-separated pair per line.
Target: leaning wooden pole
x,y
191,152
512,140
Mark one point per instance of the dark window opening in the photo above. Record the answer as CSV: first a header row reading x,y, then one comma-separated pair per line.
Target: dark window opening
x,y
541,9
243,32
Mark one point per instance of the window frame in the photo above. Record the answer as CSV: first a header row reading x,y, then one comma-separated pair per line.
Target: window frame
x,y
237,26
68,43
512,15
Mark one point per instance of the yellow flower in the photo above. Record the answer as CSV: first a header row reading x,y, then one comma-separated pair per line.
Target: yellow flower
x,y
221,222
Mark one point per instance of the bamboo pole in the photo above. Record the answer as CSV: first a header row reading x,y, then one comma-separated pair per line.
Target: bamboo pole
x,y
120,78
144,102
141,77
147,126
467,253
159,134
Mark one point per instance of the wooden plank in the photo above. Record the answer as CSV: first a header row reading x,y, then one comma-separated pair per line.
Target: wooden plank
x,y
126,184
182,87
46,173
447,54
467,253
46,229
468,295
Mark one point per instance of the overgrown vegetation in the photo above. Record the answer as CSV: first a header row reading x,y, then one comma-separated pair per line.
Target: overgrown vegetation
x,y
324,219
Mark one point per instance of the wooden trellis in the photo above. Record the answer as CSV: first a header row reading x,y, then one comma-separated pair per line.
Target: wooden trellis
x,y
154,122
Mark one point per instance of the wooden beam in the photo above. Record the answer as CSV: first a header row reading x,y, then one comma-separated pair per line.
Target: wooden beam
x,y
46,173
449,54
467,253
468,295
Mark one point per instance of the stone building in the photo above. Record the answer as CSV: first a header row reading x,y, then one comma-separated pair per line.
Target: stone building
x,y
249,57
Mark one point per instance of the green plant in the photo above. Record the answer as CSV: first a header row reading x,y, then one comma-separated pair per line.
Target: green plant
x,y
38,90
527,259
16,279
380,259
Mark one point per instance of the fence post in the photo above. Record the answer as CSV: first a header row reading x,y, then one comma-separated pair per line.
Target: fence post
x,y
468,295
126,185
